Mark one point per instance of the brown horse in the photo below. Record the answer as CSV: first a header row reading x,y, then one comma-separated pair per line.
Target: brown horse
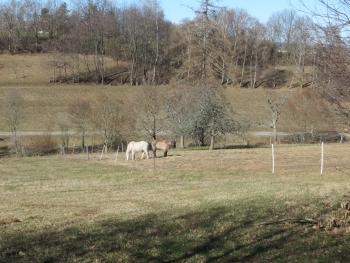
x,y
163,145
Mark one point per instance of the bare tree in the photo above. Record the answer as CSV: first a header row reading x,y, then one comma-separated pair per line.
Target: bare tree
x,y
80,113
11,18
13,114
281,27
31,14
204,32
185,52
148,109
54,19
305,112
257,50
108,119
332,55
300,46
13,109
178,111
275,106
232,25
63,124
133,31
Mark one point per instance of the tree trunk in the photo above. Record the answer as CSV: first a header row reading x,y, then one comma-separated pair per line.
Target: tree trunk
x,y
83,140
200,138
244,61
212,142
275,130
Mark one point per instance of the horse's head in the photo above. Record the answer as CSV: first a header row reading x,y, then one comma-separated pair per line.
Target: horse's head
x,y
173,144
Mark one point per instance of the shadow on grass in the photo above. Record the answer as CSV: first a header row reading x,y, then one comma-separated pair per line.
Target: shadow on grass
x,y
216,235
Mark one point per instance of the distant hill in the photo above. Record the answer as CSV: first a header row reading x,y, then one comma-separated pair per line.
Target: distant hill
x,y
45,100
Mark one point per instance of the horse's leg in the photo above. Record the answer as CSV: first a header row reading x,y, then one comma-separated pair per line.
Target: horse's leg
x,y
165,153
134,155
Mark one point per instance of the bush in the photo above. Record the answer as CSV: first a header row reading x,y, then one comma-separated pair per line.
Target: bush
x,y
41,145
16,146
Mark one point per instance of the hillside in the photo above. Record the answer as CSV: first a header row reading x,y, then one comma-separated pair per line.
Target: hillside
x,y
44,101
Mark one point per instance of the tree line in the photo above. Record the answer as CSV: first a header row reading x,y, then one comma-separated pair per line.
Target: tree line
x,y
200,113
228,45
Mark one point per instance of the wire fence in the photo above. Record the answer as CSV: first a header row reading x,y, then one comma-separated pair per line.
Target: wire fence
x,y
318,158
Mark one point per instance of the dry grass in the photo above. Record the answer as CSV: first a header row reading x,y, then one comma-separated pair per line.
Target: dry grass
x,y
288,158
44,101
33,69
44,104
193,206
207,208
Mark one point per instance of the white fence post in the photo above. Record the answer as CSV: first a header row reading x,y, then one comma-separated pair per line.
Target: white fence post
x,y
273,160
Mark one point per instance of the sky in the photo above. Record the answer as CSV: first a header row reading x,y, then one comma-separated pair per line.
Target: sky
x,y
176,10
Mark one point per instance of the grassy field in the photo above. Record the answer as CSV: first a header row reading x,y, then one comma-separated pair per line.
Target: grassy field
x,y
193,206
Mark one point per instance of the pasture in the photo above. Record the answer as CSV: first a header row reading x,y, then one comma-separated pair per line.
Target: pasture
x,y
192,206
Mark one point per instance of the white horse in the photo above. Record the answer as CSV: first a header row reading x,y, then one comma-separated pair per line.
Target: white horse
x,y
134,147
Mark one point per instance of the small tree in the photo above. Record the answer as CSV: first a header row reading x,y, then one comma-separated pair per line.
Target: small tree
x,y
149,110
80,112
13,109
13,114
305,112
63,125
108,119
275,107
177,112
208,114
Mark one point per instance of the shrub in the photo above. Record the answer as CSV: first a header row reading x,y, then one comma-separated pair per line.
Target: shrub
x,y
41,145
16,146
